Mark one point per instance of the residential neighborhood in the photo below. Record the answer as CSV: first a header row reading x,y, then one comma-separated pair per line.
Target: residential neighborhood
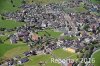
x,y
34,32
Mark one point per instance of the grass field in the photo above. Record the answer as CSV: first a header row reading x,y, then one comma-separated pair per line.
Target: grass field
x,y
10,50
46,1
4,48
51,32
36,59
7,6
80,9
96,1
97,59
18,50
60,53
64,54
9,24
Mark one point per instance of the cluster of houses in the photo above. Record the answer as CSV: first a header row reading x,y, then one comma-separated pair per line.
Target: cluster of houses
x,y
41,16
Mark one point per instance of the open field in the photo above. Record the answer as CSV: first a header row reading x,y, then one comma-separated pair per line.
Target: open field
x,y
36,59
46,1
7,6
96,1
96,56
10,50
59,53
9,24
50,32
18,50
4,48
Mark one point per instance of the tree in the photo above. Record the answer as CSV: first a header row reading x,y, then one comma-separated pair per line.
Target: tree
x,y
1,41
2,29
83,64
23,2
2,18
13,5
86,27
11,1
98,29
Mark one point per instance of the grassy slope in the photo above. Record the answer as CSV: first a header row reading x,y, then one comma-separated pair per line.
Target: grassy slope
x,y
36,59
64,54
8,50
47,58
18,50
46,1
6,6
97,59
96,1
4,48
80,8
55,34
9,24
51,32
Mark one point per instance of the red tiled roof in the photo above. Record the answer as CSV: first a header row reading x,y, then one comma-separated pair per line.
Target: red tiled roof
x,y
70,64
34,37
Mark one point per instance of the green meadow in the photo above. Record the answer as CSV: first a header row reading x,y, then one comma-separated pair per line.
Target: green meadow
x,y
96,56
96,1
59,54
9,24
7,6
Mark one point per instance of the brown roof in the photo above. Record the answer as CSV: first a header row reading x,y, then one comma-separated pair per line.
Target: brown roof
x,y
34,37
70,64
